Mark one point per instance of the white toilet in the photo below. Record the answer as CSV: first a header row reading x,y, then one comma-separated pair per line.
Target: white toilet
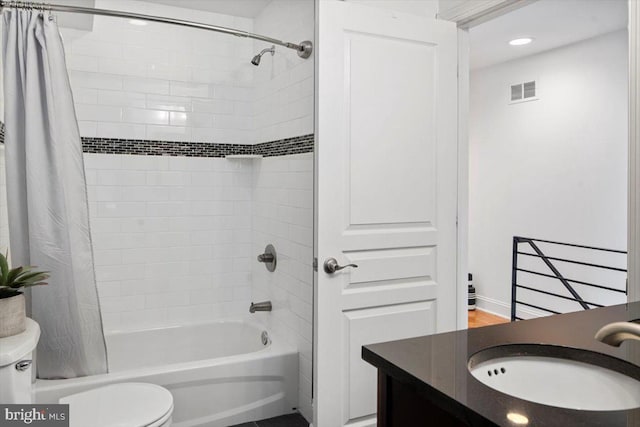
x,y
114,405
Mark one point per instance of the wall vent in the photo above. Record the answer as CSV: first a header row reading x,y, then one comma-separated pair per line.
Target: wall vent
x,y
526,91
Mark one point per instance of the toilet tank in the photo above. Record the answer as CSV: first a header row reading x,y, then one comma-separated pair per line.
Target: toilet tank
x,y
16,367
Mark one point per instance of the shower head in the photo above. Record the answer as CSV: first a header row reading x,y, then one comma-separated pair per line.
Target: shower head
x,y
256,59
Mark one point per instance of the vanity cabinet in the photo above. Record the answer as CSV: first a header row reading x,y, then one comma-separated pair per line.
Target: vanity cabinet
x,y
425,381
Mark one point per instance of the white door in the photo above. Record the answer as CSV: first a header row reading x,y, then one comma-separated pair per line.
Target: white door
x,y
386,194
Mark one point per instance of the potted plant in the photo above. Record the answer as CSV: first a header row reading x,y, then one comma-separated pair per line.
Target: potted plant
x,y
12,303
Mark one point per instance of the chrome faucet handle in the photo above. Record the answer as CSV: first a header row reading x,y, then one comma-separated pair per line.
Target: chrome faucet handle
x,y
617,332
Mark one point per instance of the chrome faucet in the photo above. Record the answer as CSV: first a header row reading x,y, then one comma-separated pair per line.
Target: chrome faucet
x,y
260,306
617,332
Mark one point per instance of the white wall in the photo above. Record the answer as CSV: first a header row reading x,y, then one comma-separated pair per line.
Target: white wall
x,y
283,83
426,8
555,168
161,81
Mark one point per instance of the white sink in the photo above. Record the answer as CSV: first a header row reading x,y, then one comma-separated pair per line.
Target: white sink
x,y
558,381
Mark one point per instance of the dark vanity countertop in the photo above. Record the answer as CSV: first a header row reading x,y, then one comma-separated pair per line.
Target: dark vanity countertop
x,y
436,367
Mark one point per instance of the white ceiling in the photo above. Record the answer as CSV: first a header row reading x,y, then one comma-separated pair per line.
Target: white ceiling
x,y
551,23
244,8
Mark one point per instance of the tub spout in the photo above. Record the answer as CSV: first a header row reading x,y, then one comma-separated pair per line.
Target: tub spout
x,y
617,332
260,306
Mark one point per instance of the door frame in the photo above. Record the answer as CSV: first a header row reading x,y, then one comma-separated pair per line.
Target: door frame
x,y
472,13
633,256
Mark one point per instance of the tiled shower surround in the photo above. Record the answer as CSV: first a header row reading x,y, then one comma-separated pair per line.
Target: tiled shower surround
x,y
176,240
175,237
176,227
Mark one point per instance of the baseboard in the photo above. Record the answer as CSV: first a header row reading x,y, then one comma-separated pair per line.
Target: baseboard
x,y
493,306
502,309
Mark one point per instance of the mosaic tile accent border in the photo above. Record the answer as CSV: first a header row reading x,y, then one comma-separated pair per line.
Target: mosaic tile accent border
x,y
161,148
281,147
284,147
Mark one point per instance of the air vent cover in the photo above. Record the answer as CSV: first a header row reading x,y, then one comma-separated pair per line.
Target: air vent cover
x,y
529,89
523,91
516,92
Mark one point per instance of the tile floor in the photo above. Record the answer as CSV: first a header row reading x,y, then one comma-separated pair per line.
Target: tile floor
x,y
290,420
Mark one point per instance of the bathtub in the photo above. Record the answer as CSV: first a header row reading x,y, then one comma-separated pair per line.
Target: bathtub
x,y
219,373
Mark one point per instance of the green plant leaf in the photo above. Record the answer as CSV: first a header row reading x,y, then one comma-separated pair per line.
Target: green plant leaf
x,y
31,275
32,278
13,279
4,269
28,285
29,282
13,274
18,285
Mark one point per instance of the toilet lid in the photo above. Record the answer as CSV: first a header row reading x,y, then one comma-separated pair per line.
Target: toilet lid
x,y
120,405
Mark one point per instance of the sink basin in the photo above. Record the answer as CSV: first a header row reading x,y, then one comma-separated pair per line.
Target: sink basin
x,y
559,376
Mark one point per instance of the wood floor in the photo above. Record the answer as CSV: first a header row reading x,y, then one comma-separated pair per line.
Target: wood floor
x,y
479,318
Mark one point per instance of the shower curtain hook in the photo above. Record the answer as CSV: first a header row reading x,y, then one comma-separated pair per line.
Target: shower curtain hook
x,y
48,7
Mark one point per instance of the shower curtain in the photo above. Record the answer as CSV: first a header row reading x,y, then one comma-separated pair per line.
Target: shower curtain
x,y
46,192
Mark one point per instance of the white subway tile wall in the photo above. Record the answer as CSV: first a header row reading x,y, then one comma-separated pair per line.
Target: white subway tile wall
x,y
166,82
283,216
162,81
171,238
283,186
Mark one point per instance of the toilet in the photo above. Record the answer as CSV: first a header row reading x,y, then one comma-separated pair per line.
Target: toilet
x,y
113,405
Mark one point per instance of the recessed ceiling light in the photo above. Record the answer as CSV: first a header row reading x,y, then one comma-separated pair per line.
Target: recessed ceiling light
x,y
138,22
521,41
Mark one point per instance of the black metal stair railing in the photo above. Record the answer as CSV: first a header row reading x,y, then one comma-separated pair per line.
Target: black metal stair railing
x,y
552,272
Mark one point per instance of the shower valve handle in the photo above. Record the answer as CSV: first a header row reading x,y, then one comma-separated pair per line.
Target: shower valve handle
x,y
331,266
265,258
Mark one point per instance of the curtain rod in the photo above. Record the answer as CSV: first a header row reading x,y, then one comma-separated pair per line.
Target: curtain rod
x,y
303,49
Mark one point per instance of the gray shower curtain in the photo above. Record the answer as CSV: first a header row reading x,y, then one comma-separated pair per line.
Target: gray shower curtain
x,y
46,192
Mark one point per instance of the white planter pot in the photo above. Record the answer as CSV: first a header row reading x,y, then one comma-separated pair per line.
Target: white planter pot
x,y
12,316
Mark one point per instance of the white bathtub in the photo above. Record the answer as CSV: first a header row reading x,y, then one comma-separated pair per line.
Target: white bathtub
x,y
219,373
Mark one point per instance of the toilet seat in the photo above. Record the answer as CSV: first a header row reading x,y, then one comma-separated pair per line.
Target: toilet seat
x,y
120,405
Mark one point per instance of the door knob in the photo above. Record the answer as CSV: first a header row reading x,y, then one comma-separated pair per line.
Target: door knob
x,y
331,266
